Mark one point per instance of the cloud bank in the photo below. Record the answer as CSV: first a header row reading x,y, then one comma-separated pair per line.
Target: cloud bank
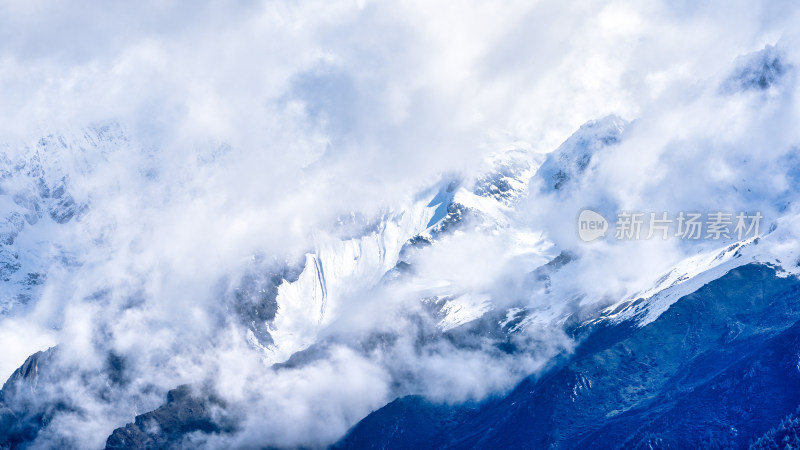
x,y
212,149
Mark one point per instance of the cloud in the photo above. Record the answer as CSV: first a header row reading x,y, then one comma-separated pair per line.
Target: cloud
x,y
245,136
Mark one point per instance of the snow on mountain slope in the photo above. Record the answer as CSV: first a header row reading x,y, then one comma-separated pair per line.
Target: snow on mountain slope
x,y
511,288
488,205
507,176
463,309
573,157
688,276
777,248
41,195
339,267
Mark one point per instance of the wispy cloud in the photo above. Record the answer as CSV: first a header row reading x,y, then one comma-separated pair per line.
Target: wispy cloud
x,y
248,134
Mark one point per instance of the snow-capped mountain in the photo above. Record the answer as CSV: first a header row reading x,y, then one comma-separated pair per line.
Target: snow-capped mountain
x,y
363,225
290,309
571,159
39,199
692,377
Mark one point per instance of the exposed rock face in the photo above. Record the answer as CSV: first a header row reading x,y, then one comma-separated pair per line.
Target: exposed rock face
x,y
21,415
171,425
757,71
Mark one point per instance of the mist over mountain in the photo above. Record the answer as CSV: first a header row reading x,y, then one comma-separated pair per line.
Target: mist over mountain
x,y
356,224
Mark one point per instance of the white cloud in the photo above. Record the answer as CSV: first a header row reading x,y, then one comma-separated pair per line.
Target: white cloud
x,y
252,128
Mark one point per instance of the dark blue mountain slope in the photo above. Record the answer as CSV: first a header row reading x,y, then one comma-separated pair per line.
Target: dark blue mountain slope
x,y
718,369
